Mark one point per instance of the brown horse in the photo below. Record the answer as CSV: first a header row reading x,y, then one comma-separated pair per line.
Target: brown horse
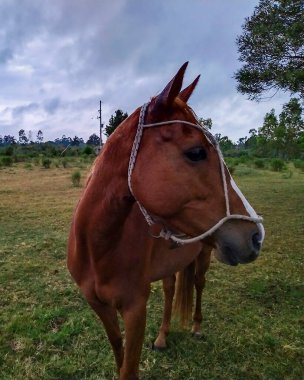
x,y
159,173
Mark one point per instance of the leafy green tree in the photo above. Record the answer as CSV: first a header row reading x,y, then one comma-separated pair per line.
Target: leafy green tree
x,y
115,121
9,140
93,140
224,142
291,127
206,122
269,125
265,138
39,137
281,137
22,137
76,141
251,142
272,49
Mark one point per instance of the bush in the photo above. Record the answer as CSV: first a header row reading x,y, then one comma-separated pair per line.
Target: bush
x,y
299,164
277,165
57,163
231,169
9,151
88,150
76,176
65,163
36,161
7,161
46,162
259,163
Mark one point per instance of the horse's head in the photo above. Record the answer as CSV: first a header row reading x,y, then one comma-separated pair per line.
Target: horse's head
x,y
181,181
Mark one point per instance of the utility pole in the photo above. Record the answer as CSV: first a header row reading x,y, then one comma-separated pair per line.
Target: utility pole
x,y
100,126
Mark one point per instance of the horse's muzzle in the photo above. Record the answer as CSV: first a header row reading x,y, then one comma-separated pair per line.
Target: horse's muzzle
x,y
235,247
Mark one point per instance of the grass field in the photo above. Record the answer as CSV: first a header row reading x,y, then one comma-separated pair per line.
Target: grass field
x,y
253,315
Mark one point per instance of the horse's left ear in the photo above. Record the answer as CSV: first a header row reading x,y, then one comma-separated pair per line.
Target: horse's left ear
x,y
171,91
185,94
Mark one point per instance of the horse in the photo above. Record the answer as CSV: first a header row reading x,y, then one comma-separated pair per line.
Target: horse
x,y
158,192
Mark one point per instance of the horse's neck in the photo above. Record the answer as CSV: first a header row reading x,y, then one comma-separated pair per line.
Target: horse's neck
x,y
107,190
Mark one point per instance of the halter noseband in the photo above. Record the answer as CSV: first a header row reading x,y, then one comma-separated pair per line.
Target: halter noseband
x,y
180,238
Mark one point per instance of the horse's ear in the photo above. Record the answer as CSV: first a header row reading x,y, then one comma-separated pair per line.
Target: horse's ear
x,y
185,94
171,91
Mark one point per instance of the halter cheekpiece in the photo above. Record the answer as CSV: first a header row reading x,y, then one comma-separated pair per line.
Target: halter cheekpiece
x,y
166,233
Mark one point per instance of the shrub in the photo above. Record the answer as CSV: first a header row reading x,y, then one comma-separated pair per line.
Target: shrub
x,y
36,161
88,150
277,165
46,162
76,176
259,163
65,163
7,161
9,151
231,169
299,164
56,163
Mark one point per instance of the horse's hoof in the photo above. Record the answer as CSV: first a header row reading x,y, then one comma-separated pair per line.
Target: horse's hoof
x,y
197,335
158,348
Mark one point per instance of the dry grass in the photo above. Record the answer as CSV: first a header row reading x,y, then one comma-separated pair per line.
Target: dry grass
x,y
253,315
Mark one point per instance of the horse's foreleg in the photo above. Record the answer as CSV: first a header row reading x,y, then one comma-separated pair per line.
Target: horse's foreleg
x,y
169,289
108,316
201,266
134,317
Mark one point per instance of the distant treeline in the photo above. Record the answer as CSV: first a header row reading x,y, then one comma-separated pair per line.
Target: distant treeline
x,y
279,137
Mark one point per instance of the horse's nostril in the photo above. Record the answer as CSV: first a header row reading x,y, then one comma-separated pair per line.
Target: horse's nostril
x,y
256,241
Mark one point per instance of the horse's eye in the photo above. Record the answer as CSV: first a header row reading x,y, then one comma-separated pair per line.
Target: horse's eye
x,y
196,154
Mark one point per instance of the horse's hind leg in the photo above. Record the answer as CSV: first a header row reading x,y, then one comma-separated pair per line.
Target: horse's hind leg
x,y
169,289
108,316
201,266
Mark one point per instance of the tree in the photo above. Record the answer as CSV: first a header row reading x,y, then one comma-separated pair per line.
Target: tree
x,y
9,140
241,143
272,49
251,142
206,122
93,140
291,127
115,121
269,125
39,137
281,137
22,137
76,141
224,142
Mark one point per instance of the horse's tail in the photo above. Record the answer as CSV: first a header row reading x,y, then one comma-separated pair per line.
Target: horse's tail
x,y
184,293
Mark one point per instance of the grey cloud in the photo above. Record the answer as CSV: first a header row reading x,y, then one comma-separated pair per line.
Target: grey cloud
x,y
52,105
21,110
73,53
5,55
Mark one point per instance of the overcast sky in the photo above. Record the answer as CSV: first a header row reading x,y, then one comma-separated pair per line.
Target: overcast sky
x,y
59,58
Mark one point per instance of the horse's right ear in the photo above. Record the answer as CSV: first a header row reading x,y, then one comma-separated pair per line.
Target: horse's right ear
x,y
171,91
185,94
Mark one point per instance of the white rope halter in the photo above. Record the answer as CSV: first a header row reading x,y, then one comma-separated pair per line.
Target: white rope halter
x,y
165,233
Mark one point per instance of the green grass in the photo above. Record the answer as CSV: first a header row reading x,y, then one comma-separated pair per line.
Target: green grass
x,y
253,324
